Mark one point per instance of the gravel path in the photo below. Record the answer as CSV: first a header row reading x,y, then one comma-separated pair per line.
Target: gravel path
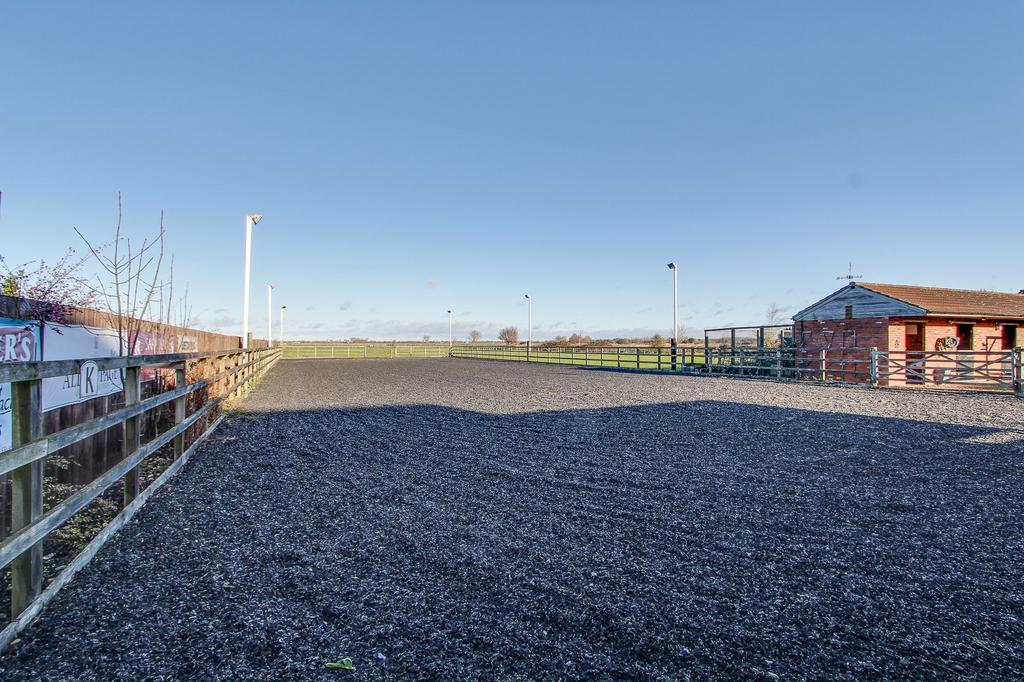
x,y
461,519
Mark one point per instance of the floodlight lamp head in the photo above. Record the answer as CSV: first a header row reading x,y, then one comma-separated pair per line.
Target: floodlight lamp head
x,y
256,218
672,265
527,295
449,312
283,307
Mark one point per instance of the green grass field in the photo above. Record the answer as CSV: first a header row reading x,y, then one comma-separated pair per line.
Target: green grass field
x,y
625,358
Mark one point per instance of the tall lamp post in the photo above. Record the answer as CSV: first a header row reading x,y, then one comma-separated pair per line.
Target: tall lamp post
x,y
449,331
280,333
250,222
675,309
270,315
529,325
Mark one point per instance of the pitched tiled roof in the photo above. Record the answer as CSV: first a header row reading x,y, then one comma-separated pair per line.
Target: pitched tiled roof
x,y
953,301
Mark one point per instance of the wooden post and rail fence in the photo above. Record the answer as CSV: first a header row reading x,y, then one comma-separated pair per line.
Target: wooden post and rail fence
x,y
998,370
224,374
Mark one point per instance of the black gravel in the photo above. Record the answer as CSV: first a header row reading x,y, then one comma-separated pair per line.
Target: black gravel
x,y
464,519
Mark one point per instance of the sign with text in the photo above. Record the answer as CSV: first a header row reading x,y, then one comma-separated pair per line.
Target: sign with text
x,y
76,342
19,342
25,341
89,380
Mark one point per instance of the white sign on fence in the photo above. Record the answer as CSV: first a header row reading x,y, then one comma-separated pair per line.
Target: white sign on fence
x,y
23,341
19,342
73,342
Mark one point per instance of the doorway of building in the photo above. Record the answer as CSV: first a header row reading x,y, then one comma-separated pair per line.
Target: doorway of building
x,y
965,334
1009,336
915,339
914,334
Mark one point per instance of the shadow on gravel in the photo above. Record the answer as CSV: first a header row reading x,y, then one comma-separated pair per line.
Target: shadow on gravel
x,y
703,539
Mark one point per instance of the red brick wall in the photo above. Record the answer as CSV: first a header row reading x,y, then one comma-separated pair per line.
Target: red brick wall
x,y
889,334
885,334
845,342
863,332
987,335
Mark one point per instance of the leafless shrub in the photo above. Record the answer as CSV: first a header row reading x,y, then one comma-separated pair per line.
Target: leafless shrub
x,y
127,290
49,292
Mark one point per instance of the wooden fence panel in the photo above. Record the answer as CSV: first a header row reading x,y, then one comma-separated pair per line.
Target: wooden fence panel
x,y
25,462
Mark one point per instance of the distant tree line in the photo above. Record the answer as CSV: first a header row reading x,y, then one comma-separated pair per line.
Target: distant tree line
x,y
510,336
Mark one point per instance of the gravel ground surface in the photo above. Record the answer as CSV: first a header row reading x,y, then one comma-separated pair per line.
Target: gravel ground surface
x,y
461,519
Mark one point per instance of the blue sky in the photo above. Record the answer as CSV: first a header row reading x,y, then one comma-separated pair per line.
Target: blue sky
x,y
415,156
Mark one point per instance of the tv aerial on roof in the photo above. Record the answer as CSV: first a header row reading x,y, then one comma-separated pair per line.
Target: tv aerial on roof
x,y
849,274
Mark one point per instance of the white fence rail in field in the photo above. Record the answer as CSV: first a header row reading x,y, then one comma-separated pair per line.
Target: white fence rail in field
x,y
300,351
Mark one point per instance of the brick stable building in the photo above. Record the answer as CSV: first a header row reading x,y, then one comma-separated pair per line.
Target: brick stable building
x,y
901,318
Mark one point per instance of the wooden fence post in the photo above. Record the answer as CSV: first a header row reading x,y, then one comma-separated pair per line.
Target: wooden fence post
x,y
222,384
26,493
179,410
233,363
874,367
1019,357
778,363
130,443
821,363
239,376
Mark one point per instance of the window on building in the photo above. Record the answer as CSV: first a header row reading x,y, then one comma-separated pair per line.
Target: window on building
x,y
849,312
965,332
1009,336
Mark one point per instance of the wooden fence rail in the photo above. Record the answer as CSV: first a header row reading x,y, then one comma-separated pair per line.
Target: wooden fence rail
x,y
233,371
996,370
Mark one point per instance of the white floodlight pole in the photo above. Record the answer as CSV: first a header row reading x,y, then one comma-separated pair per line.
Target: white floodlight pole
x,y
270,315
280,332
449,330
529,324
675,310
675,299
250,222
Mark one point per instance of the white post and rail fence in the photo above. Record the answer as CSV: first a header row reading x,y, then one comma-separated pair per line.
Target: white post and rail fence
x,y
222,374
